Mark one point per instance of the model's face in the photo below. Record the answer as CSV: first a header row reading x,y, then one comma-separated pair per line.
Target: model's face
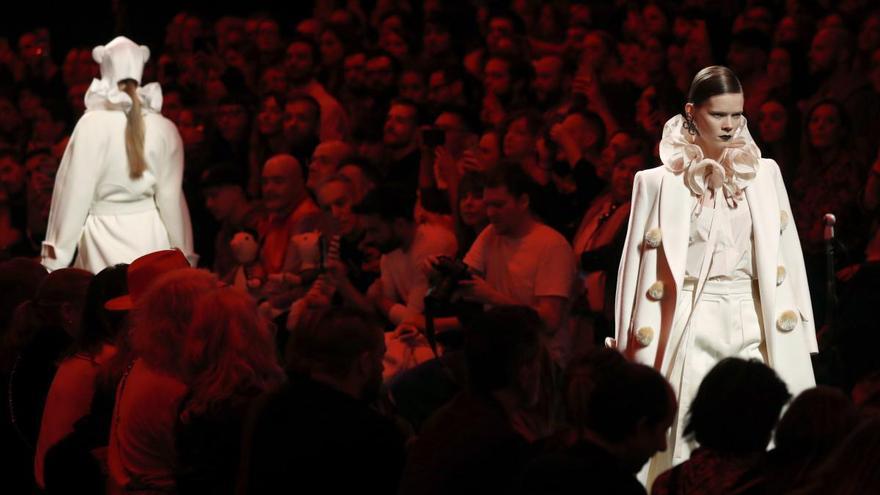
x,y
772,121
717,119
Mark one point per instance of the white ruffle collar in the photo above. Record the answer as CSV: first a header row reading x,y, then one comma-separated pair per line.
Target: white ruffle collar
x,y
102,96
737,167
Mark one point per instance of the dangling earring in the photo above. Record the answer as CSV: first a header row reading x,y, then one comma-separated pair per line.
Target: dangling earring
x,y
689,125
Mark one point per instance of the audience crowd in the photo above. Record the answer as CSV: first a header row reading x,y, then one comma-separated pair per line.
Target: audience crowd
x,y
409,217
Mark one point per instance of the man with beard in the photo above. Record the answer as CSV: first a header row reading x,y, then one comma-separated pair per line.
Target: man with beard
x,y
318,433
301,66
551,82
302,118
400,139
399,294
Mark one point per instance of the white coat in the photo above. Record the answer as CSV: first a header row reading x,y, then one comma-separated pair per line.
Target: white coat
x,y
99,210
661,208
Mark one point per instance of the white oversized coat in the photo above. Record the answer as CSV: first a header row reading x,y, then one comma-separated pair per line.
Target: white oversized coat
x,y
99,210
662,204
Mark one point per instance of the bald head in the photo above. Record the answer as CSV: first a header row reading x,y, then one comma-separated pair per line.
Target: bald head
x,y
283,186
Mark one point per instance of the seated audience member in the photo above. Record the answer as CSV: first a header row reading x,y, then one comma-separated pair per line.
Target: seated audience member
x,y
851,468
813,425
226,200
619,414
202,354
40,331
399,294
302,115
72,389
301,65
598,244
289,210
345,264
401,146
519,260
317,433
731,418
326,160
475,443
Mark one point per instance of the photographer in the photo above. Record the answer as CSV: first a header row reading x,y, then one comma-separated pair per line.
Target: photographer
x,y
519,260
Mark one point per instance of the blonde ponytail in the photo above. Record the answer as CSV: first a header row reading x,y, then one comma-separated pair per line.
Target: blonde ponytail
x,y
134,132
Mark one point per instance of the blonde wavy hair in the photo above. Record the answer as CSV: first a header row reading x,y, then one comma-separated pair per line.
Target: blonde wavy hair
x,y
211,338
134,131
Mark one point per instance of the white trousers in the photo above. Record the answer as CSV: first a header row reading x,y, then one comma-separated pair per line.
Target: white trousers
x,y
726,322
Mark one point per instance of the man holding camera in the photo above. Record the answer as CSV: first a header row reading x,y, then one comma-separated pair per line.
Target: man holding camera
x,y
519,260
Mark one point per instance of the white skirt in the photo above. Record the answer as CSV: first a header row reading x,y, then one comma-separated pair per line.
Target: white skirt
x,y
725,323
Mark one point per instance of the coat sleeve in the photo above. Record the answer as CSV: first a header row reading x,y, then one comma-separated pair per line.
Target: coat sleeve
x,y
74,191
793,256
169,193
630,261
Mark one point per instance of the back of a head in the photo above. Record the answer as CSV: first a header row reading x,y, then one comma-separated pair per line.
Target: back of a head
x,y
582,375
851,468
99,324
160,319
628,393
736,407
498,343
333,343
815,422
228,352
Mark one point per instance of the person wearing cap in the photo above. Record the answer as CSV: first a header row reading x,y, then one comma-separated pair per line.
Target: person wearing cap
x,y
225,198
118,189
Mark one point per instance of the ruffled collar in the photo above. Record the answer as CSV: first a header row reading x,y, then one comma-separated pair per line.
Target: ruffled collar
x,y
101,96
732,173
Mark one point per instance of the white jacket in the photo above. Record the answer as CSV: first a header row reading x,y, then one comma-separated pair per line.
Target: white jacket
x,y
661,207
98,209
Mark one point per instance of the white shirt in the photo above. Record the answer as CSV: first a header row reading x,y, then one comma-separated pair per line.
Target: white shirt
x,y
733,256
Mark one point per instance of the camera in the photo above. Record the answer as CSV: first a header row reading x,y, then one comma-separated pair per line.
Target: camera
x,y
433,137
448,272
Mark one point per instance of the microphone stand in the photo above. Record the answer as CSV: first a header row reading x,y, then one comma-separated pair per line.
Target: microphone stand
x,y
831,278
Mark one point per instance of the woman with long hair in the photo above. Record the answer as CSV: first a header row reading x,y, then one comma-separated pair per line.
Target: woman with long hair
x,y
712,266
118,189
203,354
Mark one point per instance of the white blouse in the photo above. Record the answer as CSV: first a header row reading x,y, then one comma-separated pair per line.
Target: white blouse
x,y
733,256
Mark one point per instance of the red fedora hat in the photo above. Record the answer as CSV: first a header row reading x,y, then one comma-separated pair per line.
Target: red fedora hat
x,y
142,272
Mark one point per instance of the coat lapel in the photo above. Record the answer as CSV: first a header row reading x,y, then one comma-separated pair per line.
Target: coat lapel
x,y
675,210
763,205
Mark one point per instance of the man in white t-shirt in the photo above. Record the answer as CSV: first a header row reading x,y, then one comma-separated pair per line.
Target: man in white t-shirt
x,y
399,294
518,259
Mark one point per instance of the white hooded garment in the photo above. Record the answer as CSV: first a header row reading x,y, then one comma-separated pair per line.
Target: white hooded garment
x,y
99,213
